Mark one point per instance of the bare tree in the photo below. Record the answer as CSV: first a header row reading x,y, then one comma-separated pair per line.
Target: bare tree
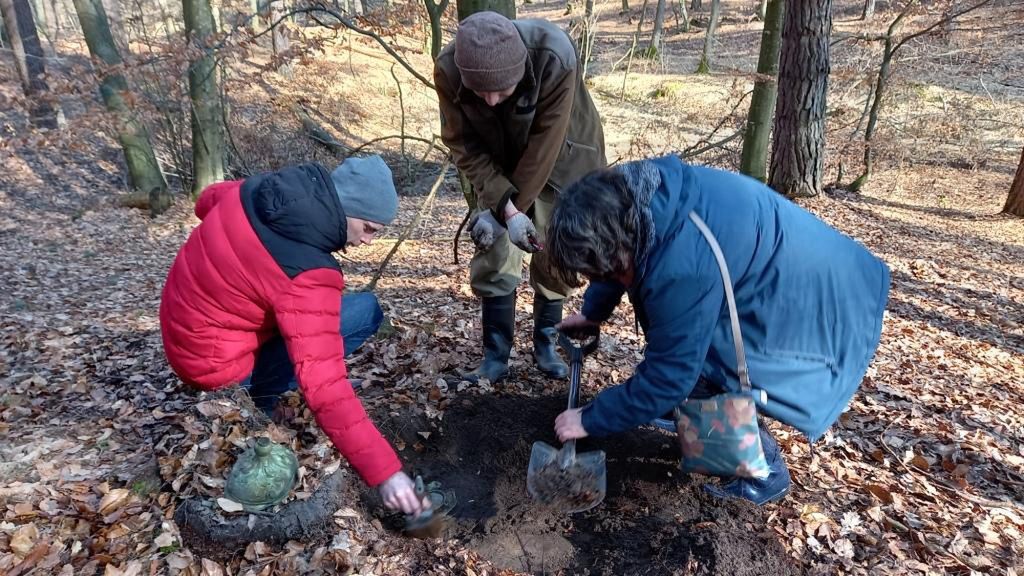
x,y
695,5
204,95
279,37
709,39
892,44
506,8
1015,200
798,149
434,12
29,61
143,168
869,9
659,22
762,105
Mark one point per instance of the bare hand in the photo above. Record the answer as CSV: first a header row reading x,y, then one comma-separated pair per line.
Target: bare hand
x,y
575,322
569,425
399,493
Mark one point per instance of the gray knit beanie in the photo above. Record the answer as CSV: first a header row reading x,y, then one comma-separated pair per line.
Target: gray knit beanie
x,y
489,52
366,190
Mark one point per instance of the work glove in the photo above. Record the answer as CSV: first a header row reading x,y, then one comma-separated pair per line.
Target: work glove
x,y
484,230
522,233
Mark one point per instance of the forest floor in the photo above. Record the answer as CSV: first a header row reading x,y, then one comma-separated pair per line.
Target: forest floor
x,y
100,443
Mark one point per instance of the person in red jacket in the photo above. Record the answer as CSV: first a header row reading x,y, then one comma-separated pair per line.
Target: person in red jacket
x,y
255,296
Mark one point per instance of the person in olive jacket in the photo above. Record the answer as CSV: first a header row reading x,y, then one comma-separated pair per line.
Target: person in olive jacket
x,y
521,126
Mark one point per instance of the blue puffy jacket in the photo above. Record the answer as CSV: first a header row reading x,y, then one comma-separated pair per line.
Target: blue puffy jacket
x,y
810,303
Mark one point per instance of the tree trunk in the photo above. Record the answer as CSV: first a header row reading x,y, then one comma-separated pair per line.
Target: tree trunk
x,y
1015,201
798,149
506,8
143,168
115,15
684,26
869,9
625,7
207,119
435,10
29,60
695,5
659,23
279,37
762,9
762,105
709,39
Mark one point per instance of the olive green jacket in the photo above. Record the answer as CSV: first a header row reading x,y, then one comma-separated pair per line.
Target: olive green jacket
x,y
547,133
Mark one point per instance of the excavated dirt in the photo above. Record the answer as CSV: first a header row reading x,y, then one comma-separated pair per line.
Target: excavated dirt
x,y
653,521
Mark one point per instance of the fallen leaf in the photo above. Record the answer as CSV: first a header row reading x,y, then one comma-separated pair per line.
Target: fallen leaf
x,y
216,408
164,540
24,539
211,568
879,492
114,500
229,505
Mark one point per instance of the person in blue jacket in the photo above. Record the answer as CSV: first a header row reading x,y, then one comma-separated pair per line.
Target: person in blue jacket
x,y
810,300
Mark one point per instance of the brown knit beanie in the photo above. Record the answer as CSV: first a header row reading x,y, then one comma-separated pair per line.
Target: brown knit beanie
x,y
489,52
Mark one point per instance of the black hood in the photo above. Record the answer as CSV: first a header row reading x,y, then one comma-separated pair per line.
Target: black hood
x,y
297,216
299,203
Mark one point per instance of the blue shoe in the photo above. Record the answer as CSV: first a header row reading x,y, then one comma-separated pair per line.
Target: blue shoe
x,y
665,424
760,492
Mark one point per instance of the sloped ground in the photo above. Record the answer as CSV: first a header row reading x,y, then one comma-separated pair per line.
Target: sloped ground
x,y
925,473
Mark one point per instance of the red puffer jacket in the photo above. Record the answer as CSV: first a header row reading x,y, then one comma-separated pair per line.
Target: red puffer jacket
x,y
260,263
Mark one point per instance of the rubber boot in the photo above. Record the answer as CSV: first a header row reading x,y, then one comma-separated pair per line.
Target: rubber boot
x,y
499,322
760,492
547,313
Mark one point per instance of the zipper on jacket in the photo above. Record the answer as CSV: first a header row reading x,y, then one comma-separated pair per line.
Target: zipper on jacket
x,y
570,144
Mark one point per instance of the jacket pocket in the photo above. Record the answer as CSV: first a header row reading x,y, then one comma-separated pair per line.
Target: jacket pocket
x,y
571,145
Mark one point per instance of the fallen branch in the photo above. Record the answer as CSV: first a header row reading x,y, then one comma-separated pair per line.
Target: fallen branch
x,y
317,132
412,226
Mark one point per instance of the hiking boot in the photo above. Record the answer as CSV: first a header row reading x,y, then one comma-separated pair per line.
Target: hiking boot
x,y
760,492
547,313
499,321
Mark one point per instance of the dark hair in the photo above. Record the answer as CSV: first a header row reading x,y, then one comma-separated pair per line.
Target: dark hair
x,y
592,231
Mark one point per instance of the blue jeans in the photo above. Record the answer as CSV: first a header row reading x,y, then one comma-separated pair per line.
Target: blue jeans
x,y
274,374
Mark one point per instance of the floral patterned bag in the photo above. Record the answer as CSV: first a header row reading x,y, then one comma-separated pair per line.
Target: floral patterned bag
x,y
719,436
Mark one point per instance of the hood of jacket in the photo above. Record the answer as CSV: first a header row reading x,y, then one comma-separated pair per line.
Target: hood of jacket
x,y
299,203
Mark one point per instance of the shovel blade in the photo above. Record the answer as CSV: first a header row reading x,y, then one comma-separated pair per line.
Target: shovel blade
x,y
575,484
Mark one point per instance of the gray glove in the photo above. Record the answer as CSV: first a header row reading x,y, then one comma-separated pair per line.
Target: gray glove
x,y
484,230
522,233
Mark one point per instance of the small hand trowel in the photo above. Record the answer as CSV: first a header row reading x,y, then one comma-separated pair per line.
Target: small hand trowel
x,y
431,522
562,478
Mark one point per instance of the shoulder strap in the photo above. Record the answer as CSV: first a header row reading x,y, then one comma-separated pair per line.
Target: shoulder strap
x,y
741,358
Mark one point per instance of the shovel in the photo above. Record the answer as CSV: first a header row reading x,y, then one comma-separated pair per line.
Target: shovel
x,y
561,478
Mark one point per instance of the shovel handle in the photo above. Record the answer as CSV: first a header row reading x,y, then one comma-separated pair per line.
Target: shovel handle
x,y
576,354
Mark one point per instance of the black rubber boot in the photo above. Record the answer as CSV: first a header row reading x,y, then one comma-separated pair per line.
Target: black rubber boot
x,y
547,313
499,323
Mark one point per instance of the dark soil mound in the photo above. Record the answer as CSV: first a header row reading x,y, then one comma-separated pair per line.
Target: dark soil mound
x,y
653,521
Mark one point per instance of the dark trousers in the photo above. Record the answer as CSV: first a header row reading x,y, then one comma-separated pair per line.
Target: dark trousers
x,y
274,374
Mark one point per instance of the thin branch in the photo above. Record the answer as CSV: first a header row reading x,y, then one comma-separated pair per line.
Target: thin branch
x,y
432,143
412,225
945,20
690,152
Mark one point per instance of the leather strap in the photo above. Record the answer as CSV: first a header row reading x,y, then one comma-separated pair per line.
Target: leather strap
x,y
737,338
